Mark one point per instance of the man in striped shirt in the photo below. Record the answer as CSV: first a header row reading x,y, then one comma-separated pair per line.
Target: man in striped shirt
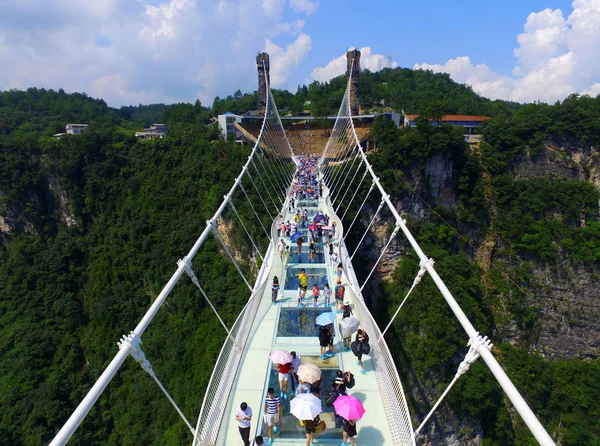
x,y
272,411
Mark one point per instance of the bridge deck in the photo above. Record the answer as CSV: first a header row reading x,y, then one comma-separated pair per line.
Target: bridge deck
x,y
256,370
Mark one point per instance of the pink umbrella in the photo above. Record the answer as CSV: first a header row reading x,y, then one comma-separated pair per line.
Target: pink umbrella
x,y
281,357
326,228
348,407
312,226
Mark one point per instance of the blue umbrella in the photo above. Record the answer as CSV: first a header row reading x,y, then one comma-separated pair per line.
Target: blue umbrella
x,y
295,236
318,218
326,319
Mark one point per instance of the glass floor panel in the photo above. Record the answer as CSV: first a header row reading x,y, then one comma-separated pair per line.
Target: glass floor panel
x,y
315,275
319,257
307,204
289,426
300,322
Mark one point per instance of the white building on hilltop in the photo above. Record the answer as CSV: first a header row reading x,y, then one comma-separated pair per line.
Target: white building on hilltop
x,y
155,131
75,129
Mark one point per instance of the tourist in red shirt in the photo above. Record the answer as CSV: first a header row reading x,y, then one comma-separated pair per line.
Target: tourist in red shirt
x,y
284,370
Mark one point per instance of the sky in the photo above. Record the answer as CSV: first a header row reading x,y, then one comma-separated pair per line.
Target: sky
x,y
166,51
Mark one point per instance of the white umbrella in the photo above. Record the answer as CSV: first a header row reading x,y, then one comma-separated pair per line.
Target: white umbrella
x,y
309,372
305,406
326,318
281,357
348,326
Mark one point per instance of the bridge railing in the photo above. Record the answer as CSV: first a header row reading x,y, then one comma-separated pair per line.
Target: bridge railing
x,y
386,373
216,401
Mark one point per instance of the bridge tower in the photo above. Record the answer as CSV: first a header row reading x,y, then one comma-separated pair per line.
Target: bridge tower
x,y
262,65
353,70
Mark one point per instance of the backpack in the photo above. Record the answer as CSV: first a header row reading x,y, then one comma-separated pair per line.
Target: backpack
x,y
340,292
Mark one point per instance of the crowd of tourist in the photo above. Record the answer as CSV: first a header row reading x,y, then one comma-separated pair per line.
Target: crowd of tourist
x,y
320,230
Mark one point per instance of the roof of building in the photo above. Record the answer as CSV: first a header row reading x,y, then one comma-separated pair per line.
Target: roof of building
x,y
470,118
83,125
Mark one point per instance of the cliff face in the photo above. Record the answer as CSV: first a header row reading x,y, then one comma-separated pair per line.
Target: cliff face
x,y
562,294
30,213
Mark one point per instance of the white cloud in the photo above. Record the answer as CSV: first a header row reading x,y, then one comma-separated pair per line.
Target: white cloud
x,y
283,61
306,6
337,66
555,58
160,51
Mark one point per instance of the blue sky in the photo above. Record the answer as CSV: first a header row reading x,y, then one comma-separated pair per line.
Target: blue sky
x,y
416,32
144,51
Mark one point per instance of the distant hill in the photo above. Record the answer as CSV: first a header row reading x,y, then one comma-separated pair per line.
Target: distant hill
x,y
397,89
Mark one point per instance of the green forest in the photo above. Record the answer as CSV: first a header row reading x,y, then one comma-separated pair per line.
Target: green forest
x,y
99,220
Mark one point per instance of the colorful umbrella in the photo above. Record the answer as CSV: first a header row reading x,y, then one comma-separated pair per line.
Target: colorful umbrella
x,y
326,228
348,407
326,319
309,372
312,226
318,218
296,236
305,406
281,357
348,326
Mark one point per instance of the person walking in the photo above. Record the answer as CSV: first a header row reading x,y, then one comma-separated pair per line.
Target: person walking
x,y
284,372
282,248
296,363
339,271
346,312
331,253
275,290
303,387
258,441
312,251
340,292
243,415
315,293
272,412
327,295
299,242
324,341
303,278
361,346
300,291
331,329
349,431
311,428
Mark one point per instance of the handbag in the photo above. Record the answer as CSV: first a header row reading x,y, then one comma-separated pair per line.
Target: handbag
x,y
355,346
365,348
320,428
331,397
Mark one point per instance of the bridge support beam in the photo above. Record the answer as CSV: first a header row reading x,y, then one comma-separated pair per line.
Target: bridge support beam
x,y
352,71
264,79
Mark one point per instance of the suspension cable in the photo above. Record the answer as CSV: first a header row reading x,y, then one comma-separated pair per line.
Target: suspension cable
x,y
419,276
218,235
265,186
246,230
471,356
394,232
354,194
132,343
259,195
381,203
254,210
360,209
